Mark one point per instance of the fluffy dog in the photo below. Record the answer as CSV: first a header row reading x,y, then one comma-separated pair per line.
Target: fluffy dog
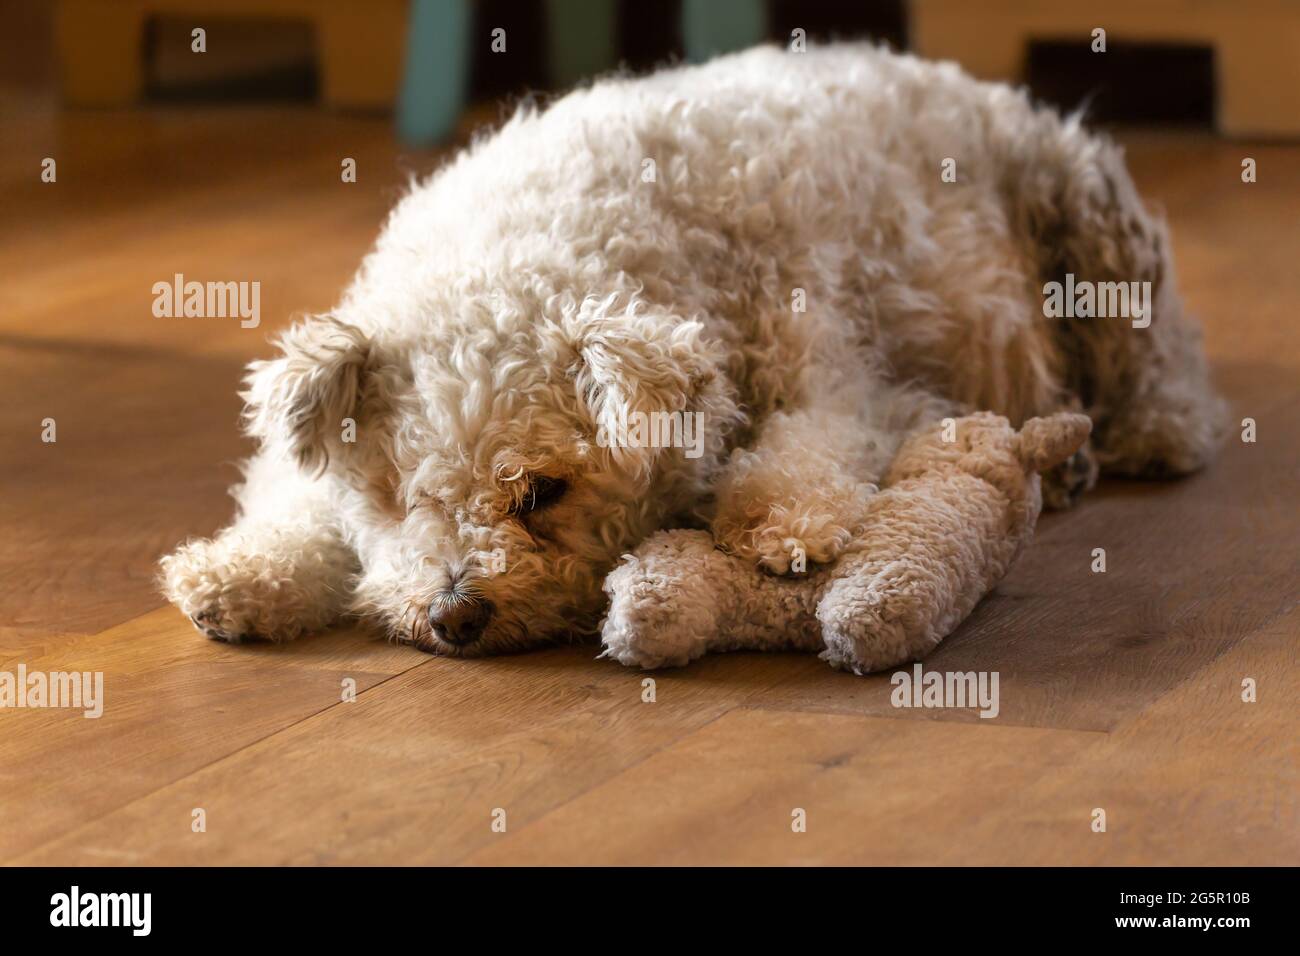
x,y
766,247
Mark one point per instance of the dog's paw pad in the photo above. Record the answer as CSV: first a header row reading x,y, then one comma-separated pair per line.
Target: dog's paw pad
x,y
209,625
1066,483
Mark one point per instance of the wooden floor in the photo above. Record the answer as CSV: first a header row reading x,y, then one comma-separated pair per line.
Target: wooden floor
x,y
1120,691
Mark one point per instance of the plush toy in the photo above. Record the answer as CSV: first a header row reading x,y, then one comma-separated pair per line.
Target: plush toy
x,y
959,502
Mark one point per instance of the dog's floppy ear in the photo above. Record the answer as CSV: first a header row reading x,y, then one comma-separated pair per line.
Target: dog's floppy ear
x,y
645,362
303,397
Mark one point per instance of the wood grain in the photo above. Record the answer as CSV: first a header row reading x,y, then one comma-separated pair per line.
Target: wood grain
x,y
1118,690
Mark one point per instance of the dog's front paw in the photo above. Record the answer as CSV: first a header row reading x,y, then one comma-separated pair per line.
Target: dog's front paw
x,y
791,547
234,591
217,590
788,539
215,624
1066,483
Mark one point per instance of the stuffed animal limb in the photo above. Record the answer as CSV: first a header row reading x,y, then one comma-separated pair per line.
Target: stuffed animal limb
x,y
960,501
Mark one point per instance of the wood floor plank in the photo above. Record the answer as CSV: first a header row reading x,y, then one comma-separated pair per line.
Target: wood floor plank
x,y
26,643
1119,690
874,791
145,452
173,702
415,768
1199,778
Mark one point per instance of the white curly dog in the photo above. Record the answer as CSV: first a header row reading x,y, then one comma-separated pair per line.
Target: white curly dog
x,y
715,297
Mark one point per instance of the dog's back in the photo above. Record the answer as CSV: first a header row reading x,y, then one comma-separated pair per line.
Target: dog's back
x,y
785,199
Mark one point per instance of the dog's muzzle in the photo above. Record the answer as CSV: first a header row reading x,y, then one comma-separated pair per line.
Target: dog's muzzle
x,y
459,619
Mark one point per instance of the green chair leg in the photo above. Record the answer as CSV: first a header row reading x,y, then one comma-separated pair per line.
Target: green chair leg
x,y
580,35
710,27
436,70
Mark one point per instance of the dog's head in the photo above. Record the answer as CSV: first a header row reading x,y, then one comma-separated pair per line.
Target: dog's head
x,y
489,472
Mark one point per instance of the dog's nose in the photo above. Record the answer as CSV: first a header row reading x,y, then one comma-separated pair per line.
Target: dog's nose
x,y
459,619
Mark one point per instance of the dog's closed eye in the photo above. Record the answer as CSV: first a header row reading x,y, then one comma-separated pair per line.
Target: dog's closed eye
x,y
542,491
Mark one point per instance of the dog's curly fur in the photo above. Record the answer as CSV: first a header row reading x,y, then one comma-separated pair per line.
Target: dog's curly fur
x,y
639,246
